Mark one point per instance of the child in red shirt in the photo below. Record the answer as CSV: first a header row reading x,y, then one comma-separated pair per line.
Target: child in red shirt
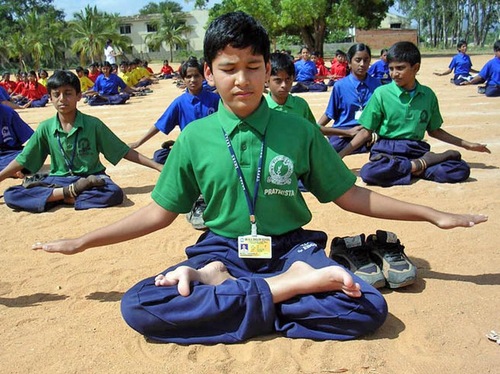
x,y
338,70
33,94
166,72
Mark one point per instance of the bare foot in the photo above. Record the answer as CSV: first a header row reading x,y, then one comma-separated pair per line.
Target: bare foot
x,y
302,278
213,274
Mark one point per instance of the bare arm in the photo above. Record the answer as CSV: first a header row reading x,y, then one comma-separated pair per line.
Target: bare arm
x,y
148,135
366,202
446,137
140,159
446,72
11,170
477,79
362,137
142,222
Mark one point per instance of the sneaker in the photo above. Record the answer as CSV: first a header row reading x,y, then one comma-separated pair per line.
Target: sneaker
x,y
388,252
195,216
481,90
352,253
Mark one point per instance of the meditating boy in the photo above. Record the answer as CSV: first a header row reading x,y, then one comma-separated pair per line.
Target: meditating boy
x,y
74,141
255,271
400,113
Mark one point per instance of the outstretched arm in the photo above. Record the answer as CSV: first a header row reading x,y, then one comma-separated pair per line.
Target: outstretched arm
x,y
446,72
366,202
446,137
140,159
144,221
148,135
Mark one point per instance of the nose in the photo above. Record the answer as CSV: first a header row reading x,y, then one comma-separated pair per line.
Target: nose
x,y
241,78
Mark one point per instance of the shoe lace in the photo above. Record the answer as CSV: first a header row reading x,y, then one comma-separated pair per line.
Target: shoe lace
x,y
394,252
359,256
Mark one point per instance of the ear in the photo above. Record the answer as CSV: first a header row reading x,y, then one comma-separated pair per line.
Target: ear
x,y
208,75
79,96
268,71
416,67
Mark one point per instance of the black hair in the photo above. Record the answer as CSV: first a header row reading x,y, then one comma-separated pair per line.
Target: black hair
x,y
461,43
496,46
238,30
109,41
382,51
282,62
63,78
192,62
358,47
404,52
79,69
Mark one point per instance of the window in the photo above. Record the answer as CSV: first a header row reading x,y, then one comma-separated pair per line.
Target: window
x,y
125,29
395,25
151,28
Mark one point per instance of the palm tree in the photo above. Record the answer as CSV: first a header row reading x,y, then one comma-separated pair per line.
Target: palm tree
x,y
172,30
15,47
90,30
40,34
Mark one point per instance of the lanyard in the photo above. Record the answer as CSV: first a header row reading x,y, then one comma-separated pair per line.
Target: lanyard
x,y
362,93
68,162
251,203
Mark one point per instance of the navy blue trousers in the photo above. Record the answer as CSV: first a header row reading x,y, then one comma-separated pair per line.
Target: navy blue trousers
x,y
394,168
34,199
339,143
240,309
309,86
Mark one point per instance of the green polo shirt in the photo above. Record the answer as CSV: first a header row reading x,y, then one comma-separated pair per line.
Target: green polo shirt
x,y
293,104
90,136
200,163
393,113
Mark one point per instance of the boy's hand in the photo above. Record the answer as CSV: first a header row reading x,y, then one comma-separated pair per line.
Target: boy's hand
x,y
65,246
134,145
450,221
476,147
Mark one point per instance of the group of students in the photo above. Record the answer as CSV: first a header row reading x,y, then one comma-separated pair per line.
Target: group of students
x,y
461,67
255,270
28,91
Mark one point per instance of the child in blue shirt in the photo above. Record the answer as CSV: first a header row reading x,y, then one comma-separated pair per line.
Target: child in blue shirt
x,y
461,64
305,74
490,73
348,99
194,103
380,69
14,133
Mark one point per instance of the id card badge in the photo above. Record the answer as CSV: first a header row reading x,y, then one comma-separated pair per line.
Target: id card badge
x,y
254,246
358,114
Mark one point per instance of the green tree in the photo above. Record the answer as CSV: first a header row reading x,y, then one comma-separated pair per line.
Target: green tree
x,y
311,19
161,7
443,22
90,30
172,30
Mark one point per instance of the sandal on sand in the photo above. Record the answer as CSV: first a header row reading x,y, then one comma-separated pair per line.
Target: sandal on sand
x,y
494,337
35,180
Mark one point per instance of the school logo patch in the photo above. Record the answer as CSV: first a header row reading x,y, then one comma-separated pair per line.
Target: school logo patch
x,y
280,170
424,116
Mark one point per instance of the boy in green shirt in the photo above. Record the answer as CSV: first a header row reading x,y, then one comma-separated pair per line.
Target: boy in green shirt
x,y
400,113
255,271
74,141
280,83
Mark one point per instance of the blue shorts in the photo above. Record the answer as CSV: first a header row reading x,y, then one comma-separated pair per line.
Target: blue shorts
x,y
34,199
390,164
242,308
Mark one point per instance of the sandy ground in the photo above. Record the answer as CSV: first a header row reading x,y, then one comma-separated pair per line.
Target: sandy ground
x,y
61,314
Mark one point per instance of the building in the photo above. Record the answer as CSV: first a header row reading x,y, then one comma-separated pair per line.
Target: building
x,y
139,26
394,28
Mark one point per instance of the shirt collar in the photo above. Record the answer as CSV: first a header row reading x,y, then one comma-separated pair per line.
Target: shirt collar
x,y
78,124
257,120
400,91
